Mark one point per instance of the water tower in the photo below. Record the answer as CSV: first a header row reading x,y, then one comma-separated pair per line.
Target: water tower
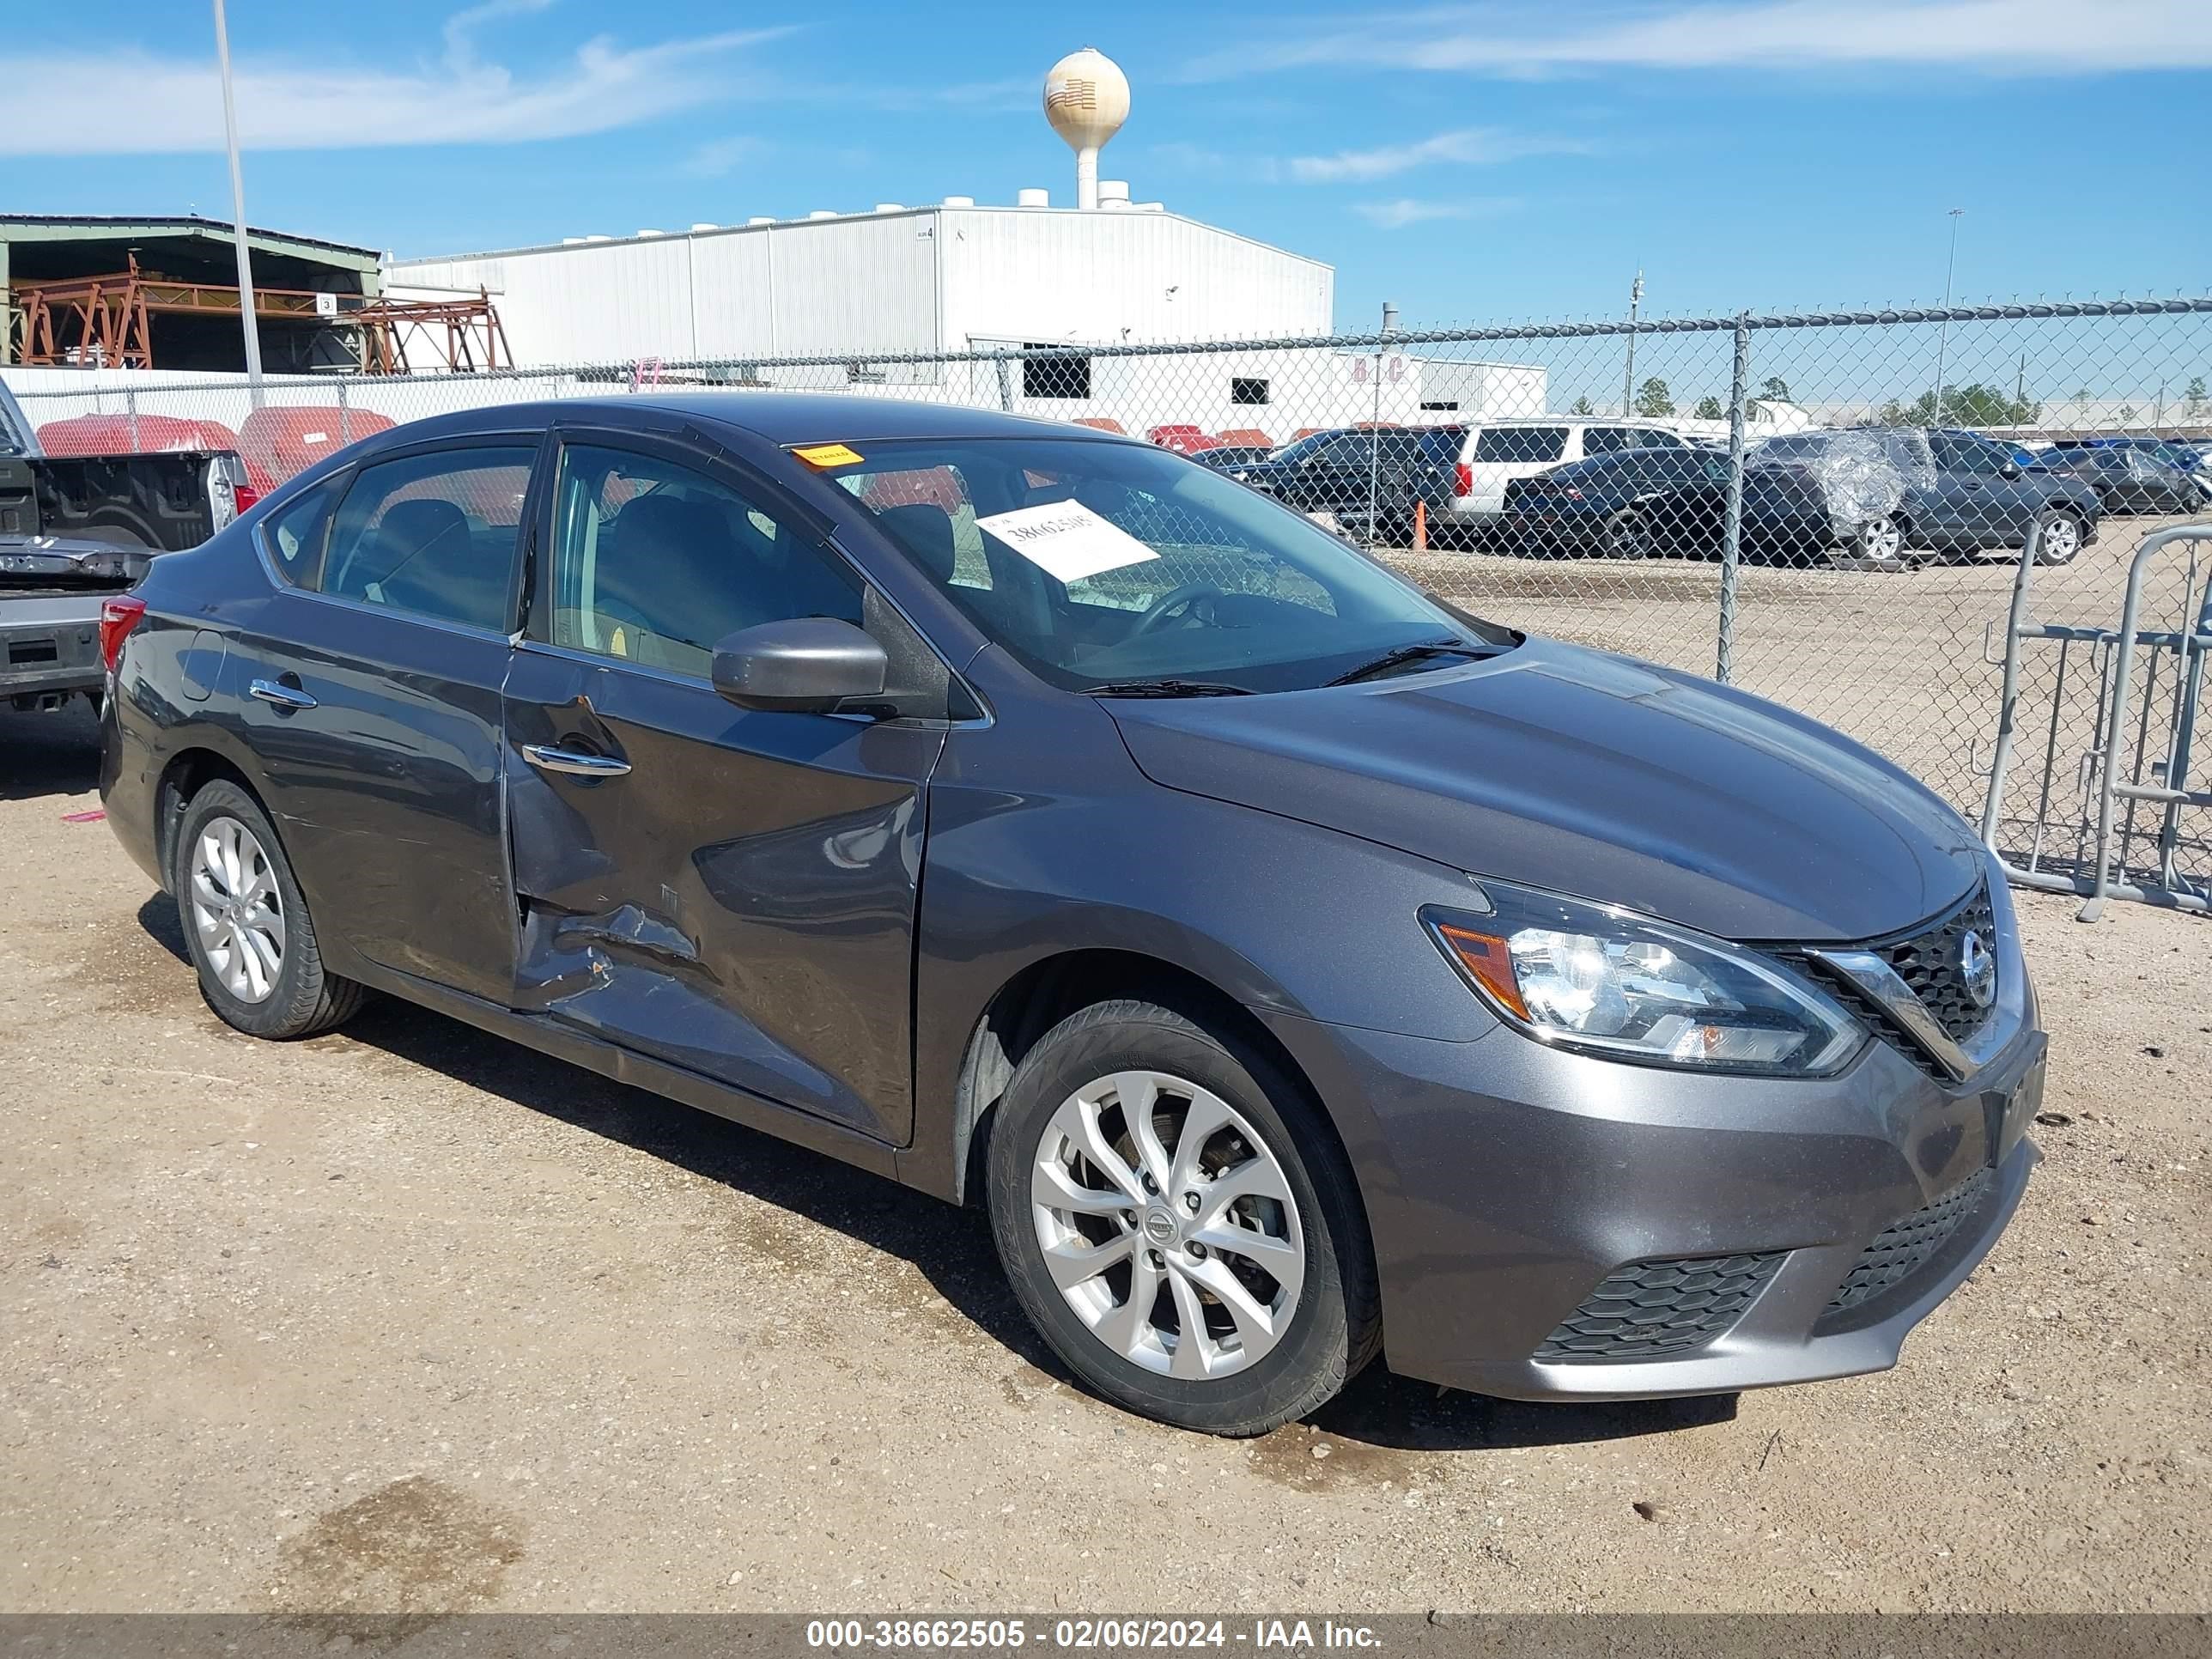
x,y
1086,99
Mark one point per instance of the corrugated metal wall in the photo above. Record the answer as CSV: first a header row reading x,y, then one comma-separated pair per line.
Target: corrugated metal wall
x,y
1104,278
871,282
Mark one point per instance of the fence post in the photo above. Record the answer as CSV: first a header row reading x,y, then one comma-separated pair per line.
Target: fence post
x,y
345,418
131,409
1732,526
1006,384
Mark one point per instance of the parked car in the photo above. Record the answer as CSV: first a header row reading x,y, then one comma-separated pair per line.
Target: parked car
x,y
77,527
1595,1031
1620,505
1367,479
1226,457
1492,453
2132,480
2174,452
1878,495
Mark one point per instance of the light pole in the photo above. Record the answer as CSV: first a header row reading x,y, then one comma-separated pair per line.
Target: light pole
x,y
247,319
1628,379
1943,328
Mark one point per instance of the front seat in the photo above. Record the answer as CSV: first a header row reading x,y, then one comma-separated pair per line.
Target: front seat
x,y
668,582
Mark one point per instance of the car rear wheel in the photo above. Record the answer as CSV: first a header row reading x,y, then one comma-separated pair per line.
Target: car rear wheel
x,y
246,926
1178,1223
1628,536
1878,545
2062,536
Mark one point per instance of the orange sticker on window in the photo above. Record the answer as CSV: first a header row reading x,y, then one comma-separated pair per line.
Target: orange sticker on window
x,y
826,454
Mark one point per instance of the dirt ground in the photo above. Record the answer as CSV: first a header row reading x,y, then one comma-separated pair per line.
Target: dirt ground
x,y
407,1319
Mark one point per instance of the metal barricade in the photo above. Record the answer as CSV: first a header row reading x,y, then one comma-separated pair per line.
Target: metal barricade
x,y
2120,827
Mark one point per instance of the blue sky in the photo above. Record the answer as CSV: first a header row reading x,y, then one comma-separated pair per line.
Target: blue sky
x,y
1474,163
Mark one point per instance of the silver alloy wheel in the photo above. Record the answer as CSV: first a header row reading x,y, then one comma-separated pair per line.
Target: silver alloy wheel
x,y
1882,540
237,909
1182,1252
2062,539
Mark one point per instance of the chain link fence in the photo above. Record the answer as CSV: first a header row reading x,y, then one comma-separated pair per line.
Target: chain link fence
x,y
1825,509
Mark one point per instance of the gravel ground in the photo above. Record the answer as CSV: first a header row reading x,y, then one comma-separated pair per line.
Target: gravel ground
x,y
410,1320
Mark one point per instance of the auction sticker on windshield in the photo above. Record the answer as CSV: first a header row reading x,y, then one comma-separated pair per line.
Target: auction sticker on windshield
x,y
1067,539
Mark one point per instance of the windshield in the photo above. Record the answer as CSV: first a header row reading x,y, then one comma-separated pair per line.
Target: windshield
x,y
1099,564
1298,448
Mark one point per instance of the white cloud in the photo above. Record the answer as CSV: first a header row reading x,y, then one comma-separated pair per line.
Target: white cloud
x,y
1470,145
175,104
2041,37
720,157
1404,211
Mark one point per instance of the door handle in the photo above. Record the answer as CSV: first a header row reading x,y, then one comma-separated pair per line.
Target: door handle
x,y
277,694
547,758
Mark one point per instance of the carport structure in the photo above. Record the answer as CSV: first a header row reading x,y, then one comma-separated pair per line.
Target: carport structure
x,y
146,293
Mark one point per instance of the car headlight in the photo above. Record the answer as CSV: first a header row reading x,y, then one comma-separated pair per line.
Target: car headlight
x,y
1584,976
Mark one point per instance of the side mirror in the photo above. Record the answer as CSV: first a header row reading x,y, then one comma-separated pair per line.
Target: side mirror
x,y
809,664
2009,469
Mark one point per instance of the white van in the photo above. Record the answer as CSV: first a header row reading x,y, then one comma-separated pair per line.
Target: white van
x,y
1493,452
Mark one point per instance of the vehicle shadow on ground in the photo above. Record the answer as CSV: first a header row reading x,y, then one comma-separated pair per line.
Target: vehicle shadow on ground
x,y
48,754
951,1249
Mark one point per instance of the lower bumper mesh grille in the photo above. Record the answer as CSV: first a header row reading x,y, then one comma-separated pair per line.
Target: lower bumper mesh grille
x,y
1649,1309
1903,1248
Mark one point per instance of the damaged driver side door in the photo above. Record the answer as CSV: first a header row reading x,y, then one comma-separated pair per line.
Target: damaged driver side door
x,y
726,889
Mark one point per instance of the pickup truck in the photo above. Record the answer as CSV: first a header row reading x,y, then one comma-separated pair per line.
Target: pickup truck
x,y
75,530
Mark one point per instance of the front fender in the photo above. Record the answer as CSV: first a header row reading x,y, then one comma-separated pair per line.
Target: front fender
x,y
1290,920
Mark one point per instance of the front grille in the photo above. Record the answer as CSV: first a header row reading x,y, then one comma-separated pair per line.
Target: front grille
x,y
1903,1248
1650,1308
1929,962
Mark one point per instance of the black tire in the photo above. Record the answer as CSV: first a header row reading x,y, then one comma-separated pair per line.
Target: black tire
x,y
304,1000
1627,536
1337,1325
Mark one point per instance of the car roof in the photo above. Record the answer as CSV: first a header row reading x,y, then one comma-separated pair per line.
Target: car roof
x,y
777,417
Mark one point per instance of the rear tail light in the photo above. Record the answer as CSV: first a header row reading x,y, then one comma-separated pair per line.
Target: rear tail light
x,y
244,495
1463,479
118,616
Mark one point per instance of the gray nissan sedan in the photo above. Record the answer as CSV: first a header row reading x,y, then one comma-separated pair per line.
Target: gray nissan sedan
x,y
1297,967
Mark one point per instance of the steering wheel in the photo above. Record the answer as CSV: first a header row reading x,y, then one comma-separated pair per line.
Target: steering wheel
x,y
1175,600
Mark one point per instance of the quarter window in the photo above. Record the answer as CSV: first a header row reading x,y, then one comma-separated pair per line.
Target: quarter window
x,y
434,534
1542,444
653,561
293,535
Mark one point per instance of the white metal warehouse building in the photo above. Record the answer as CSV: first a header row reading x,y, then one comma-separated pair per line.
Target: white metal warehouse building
x,y
959,277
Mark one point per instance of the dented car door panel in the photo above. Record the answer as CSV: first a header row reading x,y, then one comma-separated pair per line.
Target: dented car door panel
x,y
740,902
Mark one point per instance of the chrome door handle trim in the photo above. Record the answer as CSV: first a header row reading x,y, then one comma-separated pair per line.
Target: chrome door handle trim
x,y
547,758
280,695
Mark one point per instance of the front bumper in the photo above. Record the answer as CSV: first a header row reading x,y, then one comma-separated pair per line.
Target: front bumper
x,y
1509,1184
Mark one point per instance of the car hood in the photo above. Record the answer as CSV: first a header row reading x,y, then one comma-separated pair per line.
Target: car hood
x,y
1589,774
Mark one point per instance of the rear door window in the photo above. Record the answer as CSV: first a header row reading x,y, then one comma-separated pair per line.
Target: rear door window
x,y
1606,439
433,535
1522,444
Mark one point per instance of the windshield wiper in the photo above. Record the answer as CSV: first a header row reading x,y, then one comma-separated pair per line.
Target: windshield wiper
x,y
1168,689
1405,653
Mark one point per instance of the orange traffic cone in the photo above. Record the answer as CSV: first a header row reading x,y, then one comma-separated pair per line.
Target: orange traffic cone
x,y
1420,526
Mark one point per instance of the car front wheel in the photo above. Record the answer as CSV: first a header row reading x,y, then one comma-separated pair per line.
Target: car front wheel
x,y
1178,1223
246,925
